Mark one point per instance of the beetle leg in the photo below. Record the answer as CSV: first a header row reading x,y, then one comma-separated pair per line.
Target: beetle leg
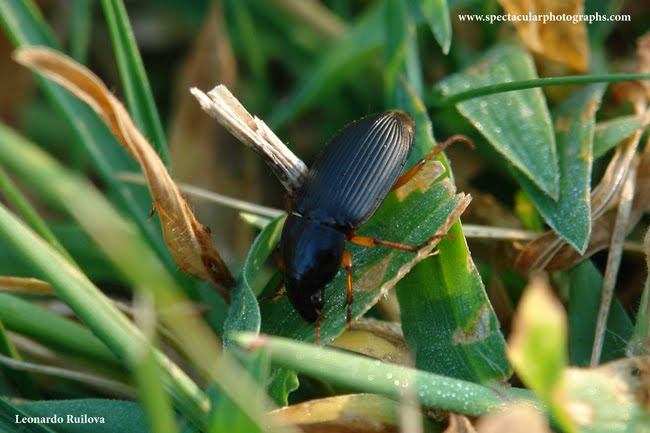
x,y
365,241
410,174
347,264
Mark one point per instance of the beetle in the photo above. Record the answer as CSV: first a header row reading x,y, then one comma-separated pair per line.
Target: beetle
x,y
342,190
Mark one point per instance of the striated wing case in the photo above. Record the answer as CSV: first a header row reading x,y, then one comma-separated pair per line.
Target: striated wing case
x,y
355,172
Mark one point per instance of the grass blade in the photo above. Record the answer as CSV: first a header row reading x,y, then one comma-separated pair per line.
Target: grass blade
x,y
570,214
134,78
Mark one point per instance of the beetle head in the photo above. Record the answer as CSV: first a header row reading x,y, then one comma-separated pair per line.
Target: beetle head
x,y
312,254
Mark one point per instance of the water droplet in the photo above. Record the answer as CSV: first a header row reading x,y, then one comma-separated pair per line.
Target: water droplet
x,y
371,378
389,376
483,104
396,382
497,130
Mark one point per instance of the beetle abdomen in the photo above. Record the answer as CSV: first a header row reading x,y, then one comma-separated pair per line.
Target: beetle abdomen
x,y
355,172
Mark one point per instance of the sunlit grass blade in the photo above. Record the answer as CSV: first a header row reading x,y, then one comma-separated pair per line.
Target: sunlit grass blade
x,y
134,78
367,375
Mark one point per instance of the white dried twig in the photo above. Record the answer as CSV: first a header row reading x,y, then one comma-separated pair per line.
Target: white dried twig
x,y
253,132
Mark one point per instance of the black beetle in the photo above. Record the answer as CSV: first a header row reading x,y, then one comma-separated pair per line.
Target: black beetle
x,y
342,190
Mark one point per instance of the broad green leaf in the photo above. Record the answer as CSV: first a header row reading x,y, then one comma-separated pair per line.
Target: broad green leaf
x,y
517,124
244,312
538,346
23,24
367,375
117,416
570,214
436,15
584,301
338,61
447,318
8,415
375,270
608,134
138,94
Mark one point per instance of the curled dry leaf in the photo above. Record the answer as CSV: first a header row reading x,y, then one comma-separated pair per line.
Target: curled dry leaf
x,y
460,424
189,242
564,41
360,413
519,417
376,339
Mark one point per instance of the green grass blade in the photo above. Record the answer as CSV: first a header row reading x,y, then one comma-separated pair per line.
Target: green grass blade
x,y
23,381
152,394
119,416
80,29
516,124
10,413
570,215
54,331
97,312
368,375
339,61
585,287
30,215
134,78
447,318
608,134
436,15
244,313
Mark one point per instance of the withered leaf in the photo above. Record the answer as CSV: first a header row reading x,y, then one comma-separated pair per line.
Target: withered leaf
x,y
189,242
561,40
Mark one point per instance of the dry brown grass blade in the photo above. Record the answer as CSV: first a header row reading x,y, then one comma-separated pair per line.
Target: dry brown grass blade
x,y
25,286
563,42
189,242
359,413
517,417
376,339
